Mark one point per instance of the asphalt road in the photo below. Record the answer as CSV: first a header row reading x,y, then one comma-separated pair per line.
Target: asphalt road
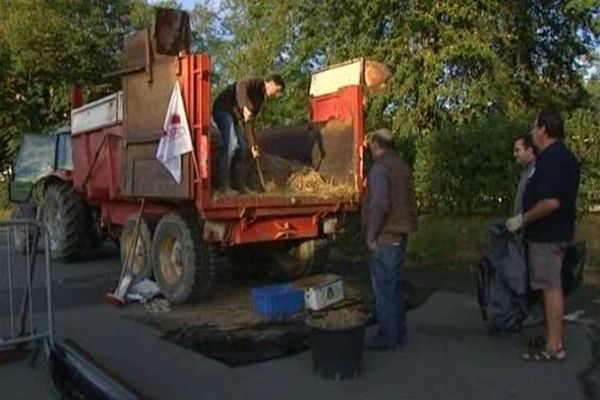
x,y
449,354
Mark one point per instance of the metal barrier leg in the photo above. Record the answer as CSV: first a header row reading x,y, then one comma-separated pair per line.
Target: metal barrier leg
x,y
10,283
26,303
27,332
49,305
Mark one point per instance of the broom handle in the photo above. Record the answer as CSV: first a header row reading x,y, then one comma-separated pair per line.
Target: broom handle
x,y
250,128
260,174
131,250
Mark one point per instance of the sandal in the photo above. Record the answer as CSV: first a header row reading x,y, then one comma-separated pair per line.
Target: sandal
x,y
543,355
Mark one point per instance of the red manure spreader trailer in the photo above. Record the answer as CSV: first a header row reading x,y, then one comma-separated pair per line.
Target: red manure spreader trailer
x,y
186,228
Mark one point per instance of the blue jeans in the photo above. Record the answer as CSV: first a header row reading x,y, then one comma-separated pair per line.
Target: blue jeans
x,y
388,286
232,141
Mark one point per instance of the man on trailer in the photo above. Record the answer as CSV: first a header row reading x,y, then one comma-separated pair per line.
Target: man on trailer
x,y
240,101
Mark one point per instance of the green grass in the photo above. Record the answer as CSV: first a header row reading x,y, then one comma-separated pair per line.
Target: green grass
x,y
4,214
588,229
449,242
456,242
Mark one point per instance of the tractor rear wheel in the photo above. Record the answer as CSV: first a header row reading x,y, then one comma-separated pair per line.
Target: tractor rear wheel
x,y
183,264
299,259
140,258
63,215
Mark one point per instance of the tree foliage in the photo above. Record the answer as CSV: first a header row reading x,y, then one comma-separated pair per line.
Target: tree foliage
x,y
46,47
462,70
453,60
468,77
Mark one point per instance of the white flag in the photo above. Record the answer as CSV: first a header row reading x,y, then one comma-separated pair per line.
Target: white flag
x,y
176,139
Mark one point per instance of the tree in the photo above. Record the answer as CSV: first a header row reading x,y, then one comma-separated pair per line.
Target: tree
x,y
47,47
453,60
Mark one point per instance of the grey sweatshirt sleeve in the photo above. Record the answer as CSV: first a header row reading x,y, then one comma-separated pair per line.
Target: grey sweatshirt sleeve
x,y
379,206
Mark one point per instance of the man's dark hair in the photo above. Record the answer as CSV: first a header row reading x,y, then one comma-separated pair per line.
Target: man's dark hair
x,y
527,142
381,142
276,79
553,123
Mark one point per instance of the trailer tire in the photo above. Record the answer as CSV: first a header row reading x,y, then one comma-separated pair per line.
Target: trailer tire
x,y
63,215
299,259
183,264
19,233
141,259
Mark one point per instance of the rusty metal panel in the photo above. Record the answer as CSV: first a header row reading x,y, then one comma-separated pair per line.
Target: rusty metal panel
x,y
146,96
340,148
291,142
145,103
147,177
134,49
332,141
171,31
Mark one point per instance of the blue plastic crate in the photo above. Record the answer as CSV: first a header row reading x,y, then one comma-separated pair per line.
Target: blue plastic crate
x,y
277,301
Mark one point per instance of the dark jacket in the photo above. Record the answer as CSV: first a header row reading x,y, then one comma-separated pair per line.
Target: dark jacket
x,y
248,93
389,209
556,176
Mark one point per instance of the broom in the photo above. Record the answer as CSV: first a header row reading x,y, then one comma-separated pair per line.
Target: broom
x,y
117,298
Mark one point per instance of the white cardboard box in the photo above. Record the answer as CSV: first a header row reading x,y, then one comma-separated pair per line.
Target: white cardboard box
x,y
321,291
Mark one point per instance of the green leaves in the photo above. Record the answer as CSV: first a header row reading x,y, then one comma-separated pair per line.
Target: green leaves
x,y
459,67
469,167
45,49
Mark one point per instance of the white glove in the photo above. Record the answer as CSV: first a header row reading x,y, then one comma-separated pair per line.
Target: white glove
x,y
515,223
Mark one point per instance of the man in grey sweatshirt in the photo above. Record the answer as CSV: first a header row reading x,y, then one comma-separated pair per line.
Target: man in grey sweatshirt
x,y
524,153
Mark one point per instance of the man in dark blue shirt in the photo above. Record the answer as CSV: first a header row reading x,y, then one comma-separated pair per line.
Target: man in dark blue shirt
x,y
548,219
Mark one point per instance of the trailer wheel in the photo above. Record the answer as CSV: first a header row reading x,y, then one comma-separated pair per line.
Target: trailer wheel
x,y
63,215
19,233
299,259
141,254
182,263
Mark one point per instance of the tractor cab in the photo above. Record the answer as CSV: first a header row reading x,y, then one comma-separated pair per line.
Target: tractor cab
x,y
39,156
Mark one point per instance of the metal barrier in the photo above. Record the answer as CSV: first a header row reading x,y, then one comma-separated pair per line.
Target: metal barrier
x,y
24,317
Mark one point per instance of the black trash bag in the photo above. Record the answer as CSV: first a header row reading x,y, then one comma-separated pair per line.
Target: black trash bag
x,y
502,281
503,291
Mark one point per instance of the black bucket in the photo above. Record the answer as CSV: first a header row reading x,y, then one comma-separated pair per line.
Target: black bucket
x,y
337,353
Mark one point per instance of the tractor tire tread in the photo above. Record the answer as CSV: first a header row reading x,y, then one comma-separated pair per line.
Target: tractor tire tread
x,y
73,209
203,260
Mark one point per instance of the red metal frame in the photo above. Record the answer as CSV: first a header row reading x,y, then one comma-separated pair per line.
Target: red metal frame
x,y
105,176
117,212
246,219
272,229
